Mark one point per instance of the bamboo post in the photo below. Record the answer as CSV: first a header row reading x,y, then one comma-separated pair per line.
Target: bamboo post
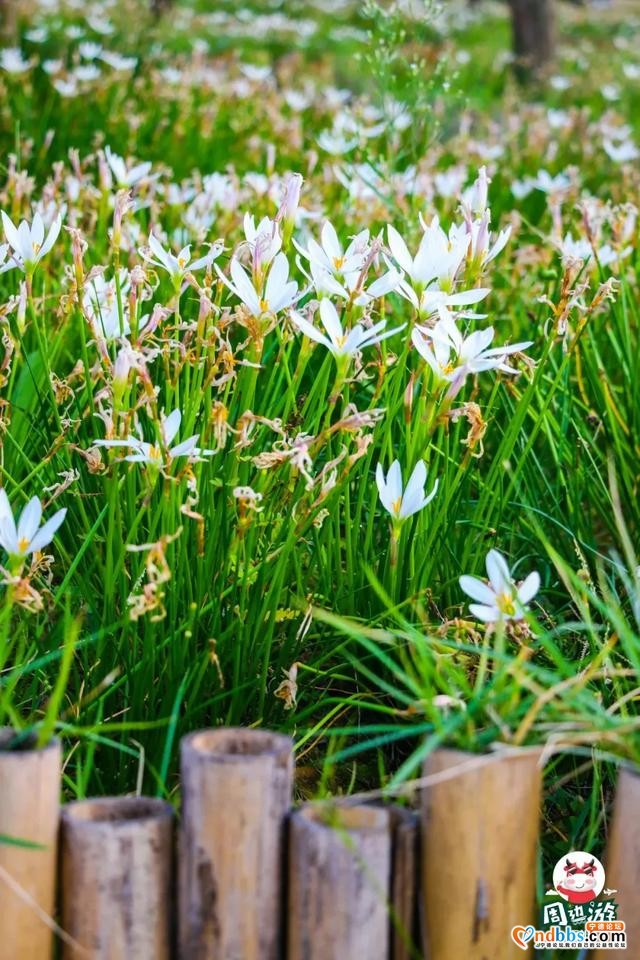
x,y
404,881
29,811
236,793
623,857
116,878
339,884
480,821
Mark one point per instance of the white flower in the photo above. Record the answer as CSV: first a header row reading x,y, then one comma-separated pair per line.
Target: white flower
x,y
552,185
290,200
100,302
522,188
85,72
264,240
453,357
448,183
66,88
28,241
341,272
154,455
126,176
341,342
581,249
4,266
607,256
330,255
118,62
432,300
37,35
279,292
475,198
500,599
571,249
13,61
351,286
26,538
52,66
404,504
335,143
89,50
439,257
623,152
178,266
481,248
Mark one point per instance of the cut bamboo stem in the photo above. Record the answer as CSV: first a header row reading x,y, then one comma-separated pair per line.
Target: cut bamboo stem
x,y
479,834
236,794
623,857
117,868
339,884
29,811
405,825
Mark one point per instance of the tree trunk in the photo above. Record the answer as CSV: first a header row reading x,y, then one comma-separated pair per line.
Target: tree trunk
x,y
158,7
532,22
8,11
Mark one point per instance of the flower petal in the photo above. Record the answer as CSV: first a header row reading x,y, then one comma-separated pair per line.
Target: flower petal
x,y
29,519
477,589
45,535
529,587
498,571
485,614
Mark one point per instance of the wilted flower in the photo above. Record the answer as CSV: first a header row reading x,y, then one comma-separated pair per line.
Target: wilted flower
x,y
404,504
26,538
501,598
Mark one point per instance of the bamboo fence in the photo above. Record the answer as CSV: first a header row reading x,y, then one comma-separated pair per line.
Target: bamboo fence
x,y
248,877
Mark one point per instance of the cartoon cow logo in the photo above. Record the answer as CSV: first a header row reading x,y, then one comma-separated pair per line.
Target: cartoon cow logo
x,y
578,877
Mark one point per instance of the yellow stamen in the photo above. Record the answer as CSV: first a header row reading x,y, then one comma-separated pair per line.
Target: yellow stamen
x,y
264,306
338,262
505,604
23,544
395,506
